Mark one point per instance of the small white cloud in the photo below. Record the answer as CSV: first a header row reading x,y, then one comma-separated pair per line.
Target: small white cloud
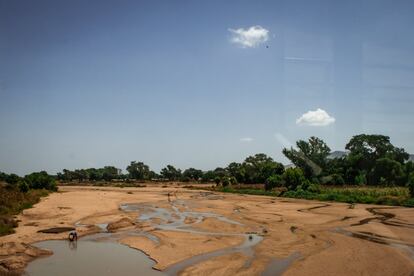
x,y
319,117
246,139
249,38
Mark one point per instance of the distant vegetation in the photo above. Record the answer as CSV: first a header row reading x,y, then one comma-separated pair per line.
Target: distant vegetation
x,y
18,193
372,171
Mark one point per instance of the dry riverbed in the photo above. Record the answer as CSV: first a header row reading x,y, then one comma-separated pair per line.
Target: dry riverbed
x,y
192,232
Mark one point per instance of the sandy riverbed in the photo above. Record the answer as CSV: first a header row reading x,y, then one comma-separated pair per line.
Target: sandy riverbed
x,y
328,238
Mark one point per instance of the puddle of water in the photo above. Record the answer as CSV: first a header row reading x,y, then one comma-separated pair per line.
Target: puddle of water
x,y
100,254
88,257
278,266
174,220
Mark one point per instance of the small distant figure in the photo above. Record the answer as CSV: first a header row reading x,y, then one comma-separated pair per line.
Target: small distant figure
x,y
73,236
267,46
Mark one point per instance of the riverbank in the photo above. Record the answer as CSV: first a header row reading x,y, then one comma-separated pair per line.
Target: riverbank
x,y
392,196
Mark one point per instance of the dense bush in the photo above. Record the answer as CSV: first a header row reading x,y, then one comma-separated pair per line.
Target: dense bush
x,y
411,185
293,177
225,182
12,179
361,179
23,187
273,182
40,180
333,179
233,180
13,201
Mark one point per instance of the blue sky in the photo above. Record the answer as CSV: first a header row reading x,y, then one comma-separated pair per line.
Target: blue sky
x,y
198,83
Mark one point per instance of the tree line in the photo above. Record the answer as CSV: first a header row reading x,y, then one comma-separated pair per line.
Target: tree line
x,y
370,160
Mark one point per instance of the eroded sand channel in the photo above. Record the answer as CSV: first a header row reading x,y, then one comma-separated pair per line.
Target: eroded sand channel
x,y
100,251
376,240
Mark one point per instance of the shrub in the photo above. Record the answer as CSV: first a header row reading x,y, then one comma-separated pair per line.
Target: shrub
x,y
23,187
185,179
273,182
293,177
12,180
41,180
411,184
217,180
361,179
225,182
333,179
233,180
314,188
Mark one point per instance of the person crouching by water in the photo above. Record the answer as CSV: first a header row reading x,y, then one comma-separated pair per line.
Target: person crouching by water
x,y
73,236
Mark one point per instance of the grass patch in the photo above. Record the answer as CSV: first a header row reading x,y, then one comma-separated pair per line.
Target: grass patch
x,y
247,191
396,196
12,202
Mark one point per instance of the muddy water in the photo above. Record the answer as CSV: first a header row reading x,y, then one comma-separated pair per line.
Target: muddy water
x,y
174,220
100,254
89,257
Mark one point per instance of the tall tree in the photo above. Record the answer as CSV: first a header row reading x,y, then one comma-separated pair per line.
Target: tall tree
x,y
138,170
259,167
365,152
311,156
170,173
110,172
193,174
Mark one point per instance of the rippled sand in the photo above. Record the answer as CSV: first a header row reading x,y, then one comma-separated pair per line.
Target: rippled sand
x,y
299,237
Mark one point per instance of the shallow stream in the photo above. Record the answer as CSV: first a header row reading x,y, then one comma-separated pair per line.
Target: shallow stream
x,y
100,254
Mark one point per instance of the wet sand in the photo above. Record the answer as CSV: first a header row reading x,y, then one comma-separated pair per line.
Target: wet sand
x,y
298,237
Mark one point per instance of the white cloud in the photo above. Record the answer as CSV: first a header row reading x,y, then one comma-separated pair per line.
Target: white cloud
x,y
251,37
246,139
319,117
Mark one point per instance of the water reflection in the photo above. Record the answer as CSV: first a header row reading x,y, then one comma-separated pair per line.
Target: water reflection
x,y
73,245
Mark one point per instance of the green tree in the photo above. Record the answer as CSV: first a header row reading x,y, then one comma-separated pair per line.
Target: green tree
x,y
408,169
3,176
95,174
138,170
12,179
233,180
236,170
41,180
110,172
193,174
333,179
410,184
311,156
208,176
293,178
365,150
170,173
81,175
389,170
225,181
23,187
273,182
220,172
361,179
259,167
67,175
